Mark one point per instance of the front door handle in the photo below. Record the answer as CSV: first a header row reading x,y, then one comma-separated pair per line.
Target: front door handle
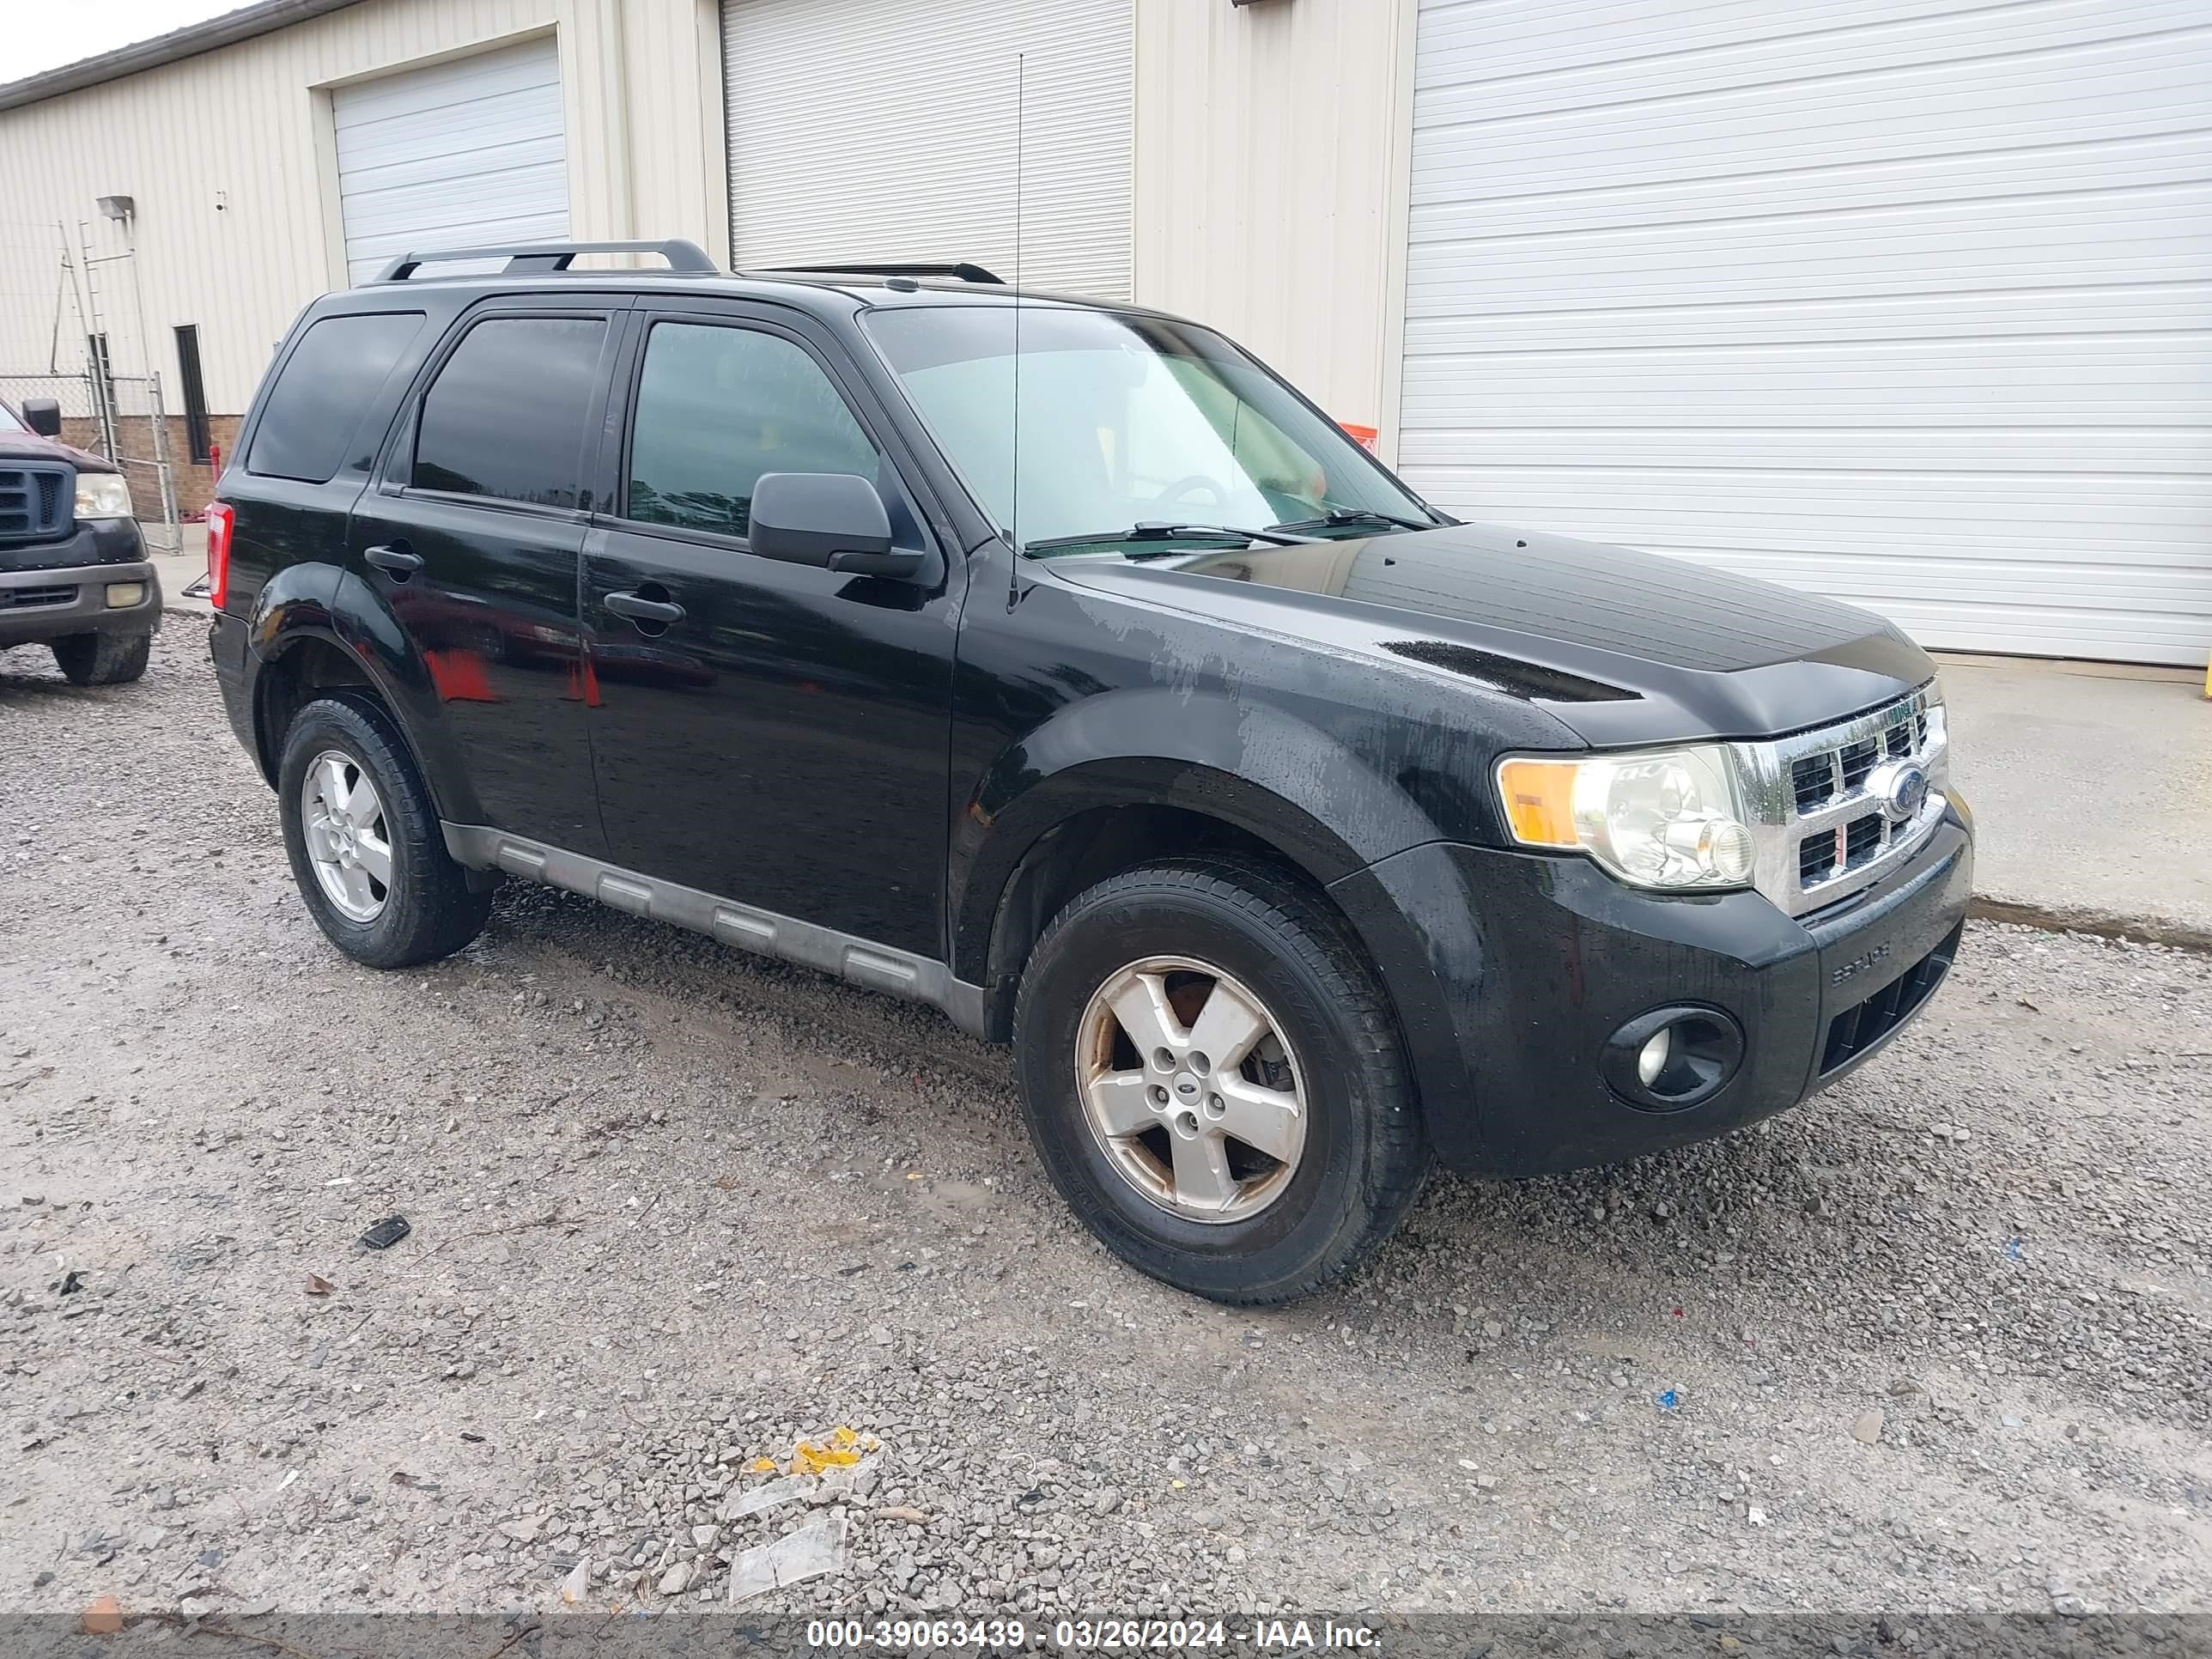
x,y
639,608
397,559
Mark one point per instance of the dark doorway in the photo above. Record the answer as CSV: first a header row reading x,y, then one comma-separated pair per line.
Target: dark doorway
x,y
195,393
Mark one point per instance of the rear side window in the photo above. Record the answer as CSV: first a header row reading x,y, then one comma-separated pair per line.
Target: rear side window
x,y
505,417
327,384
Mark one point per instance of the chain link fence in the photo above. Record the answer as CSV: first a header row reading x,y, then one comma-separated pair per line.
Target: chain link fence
x,y
122,420
57,304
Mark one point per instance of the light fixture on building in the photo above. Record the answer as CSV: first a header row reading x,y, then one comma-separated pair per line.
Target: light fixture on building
x,y
118,208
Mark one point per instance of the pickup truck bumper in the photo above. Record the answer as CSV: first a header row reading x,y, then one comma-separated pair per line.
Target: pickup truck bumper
x,y
1515,975
53,604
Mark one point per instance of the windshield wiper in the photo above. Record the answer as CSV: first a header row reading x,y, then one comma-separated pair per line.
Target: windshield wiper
x,y
1343,516
1152,531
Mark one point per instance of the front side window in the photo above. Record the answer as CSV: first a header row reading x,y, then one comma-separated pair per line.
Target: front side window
x,y
331,378
505,416
1123,419
717,407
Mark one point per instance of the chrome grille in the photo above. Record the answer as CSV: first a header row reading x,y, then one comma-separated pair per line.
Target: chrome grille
x,y
1819,834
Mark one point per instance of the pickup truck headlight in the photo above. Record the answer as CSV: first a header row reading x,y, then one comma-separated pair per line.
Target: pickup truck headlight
x,y
1667,819
102,495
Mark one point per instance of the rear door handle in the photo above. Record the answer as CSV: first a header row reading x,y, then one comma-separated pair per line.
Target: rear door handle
x,y
638,607
397,558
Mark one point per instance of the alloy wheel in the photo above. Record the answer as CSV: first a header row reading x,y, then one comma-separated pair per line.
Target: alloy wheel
x,y
1191,1089
348,844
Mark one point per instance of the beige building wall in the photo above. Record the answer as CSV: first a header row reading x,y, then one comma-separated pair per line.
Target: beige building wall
x,y
230,159
1271,155
1271,144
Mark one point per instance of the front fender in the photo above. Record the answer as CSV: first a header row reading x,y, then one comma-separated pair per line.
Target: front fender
x,y
1247,763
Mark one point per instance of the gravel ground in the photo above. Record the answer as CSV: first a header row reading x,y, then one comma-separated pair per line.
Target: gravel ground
x,y
1938,1340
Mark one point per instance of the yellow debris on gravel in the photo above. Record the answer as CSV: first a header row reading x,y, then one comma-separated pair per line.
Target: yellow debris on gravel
x,y
840,1448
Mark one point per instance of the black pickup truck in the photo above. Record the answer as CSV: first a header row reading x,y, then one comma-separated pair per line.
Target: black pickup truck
x,y
74,573
1055,664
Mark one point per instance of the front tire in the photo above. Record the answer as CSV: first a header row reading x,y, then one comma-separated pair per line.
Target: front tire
x,y
365,843
1212,1079
102,659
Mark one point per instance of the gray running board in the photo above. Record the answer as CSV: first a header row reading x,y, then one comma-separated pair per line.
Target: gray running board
x,y
862,962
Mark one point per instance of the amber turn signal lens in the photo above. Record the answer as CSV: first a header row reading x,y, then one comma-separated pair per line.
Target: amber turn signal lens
x,y
1540,800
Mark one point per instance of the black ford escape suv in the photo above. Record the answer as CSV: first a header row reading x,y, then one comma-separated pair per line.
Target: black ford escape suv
x,y
74,573
1103,694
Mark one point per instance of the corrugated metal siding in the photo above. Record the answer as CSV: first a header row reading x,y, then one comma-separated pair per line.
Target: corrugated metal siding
x,y
464,152
1267,182
1903,301
641,124
886,130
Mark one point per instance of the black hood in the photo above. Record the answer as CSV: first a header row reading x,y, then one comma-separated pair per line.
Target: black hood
x,y
30,447
1623,646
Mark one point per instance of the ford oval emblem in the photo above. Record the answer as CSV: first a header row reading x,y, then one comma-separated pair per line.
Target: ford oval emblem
x,y
1902,787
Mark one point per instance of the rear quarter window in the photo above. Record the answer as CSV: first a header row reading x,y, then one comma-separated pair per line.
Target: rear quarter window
x,y
325,389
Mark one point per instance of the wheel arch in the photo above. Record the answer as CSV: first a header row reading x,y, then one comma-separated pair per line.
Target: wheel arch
x,y
1121,779
315,627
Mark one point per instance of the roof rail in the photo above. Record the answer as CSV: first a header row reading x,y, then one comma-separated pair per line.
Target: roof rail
x,y
964,272
684,258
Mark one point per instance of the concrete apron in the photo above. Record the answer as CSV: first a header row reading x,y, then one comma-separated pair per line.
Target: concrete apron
x,y
2091,785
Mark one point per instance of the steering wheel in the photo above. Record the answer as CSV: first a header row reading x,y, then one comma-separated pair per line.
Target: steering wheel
x,y
1196,481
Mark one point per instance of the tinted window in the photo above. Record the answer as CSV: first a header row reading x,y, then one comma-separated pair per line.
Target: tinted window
x,y
716,408
505,417
328,383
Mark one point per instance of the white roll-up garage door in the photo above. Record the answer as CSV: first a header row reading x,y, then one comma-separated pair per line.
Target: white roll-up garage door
x,y
862,131
465,153
1907,302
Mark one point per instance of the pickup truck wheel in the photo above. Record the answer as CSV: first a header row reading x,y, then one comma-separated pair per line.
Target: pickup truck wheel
x,y
364,841
102,659
1212,1079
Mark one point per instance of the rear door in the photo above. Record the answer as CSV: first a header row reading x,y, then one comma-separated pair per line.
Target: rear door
x,y
783,741
470,538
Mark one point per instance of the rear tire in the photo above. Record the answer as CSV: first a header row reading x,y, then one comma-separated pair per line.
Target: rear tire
x,y
1116,1007
377,879
102,659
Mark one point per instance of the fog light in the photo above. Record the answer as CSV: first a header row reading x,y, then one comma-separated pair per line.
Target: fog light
x,y
1673,1057
123,594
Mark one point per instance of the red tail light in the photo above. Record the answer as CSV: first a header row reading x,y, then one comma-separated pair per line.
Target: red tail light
x,y
219,517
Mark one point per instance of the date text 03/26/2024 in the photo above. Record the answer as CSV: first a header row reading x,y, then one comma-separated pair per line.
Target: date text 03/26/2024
x,y
1092,1635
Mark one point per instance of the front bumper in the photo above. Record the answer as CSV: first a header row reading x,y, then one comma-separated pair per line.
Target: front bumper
x,y
1510,971
54,604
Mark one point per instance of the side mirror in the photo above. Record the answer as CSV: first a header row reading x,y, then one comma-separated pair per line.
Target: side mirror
x,y
833,519
43,416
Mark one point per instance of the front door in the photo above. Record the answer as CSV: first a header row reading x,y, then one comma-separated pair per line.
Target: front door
x,y
783,741
471,540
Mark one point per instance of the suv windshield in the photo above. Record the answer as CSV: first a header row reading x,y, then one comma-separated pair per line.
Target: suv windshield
x,y
1127,421
8,421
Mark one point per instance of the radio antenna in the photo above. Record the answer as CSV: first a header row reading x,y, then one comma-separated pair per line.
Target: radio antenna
x,y
1014,511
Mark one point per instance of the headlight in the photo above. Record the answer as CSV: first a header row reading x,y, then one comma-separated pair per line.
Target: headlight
x,y
1669,818
102,495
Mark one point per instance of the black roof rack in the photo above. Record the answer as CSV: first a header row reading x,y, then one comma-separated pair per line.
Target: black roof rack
x,y
964,272
684,258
